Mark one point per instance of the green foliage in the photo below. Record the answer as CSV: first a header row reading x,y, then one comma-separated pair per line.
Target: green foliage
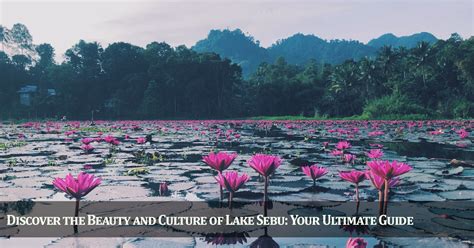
x,y
123,81
392,106
137,171
298,49
463,108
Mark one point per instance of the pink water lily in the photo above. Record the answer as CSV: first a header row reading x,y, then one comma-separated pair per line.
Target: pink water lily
x,y
314,172
378,181
219,161
111,140
387,169
77,187
87,141
375,154
141,140
343,145
353,176
163,190
349,158
231,180
463,133
264,164
356,243
87,148
336,153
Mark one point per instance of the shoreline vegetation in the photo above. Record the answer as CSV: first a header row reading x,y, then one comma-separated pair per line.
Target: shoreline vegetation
x,y
259,118
124,81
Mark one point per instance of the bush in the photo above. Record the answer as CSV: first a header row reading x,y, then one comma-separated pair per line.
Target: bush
x,y
393,107
462,108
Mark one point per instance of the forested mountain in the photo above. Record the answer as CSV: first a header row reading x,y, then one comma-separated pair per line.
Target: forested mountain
x,y
298,49
242,49
403,41
124,81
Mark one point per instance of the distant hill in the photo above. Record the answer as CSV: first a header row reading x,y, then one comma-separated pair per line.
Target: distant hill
x,y
244,50
235,45
405,41
300,48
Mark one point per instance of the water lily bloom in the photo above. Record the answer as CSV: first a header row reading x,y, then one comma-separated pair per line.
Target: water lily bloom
x,y
314,172
387,169
356,243
87,167
463,133
109,138
77,187
232,181
219,161
87,141
141,140
376,145
163,190
87,148
354,177
264,164
349,158
336,153
375,133
342,145
378,181
375,153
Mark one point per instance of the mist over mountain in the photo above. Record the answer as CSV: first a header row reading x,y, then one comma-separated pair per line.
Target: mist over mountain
x,y
298,49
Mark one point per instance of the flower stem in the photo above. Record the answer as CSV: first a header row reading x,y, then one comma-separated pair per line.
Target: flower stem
x,y
357,198
76,214
385,197
231,197
221,193
380,202
265,197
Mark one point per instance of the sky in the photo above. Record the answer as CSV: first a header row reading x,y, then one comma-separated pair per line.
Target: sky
x,y
63,23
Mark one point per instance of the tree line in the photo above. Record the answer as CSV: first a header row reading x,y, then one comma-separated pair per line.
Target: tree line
x,y
123,81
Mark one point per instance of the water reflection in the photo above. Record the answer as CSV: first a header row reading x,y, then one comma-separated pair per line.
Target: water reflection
x,y
226,238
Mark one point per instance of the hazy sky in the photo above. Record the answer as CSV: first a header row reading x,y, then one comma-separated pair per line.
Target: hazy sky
x,y
63,23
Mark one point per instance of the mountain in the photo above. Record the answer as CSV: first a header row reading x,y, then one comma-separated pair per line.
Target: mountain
x,y
405,41
244,50
18,41
240,48
300,48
